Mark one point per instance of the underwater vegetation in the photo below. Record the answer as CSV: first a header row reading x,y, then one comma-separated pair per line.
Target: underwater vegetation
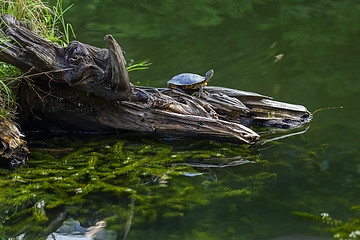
x,y
340,229
137,179
216,190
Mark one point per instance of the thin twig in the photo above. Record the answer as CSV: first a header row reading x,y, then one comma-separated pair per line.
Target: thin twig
x,y
285,136
38,74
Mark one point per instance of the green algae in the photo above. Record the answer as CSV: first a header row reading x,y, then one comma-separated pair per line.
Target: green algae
x,y
340,229
145,178
222,190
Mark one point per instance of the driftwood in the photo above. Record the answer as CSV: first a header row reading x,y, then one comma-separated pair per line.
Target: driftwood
x,y
84,88
12,145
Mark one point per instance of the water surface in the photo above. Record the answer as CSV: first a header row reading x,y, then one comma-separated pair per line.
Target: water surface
x,y
303,52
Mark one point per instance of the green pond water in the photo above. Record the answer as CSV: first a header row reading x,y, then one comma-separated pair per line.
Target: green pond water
x,y
131,186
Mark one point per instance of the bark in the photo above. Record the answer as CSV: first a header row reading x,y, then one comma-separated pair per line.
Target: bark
x,y
84,88
12,145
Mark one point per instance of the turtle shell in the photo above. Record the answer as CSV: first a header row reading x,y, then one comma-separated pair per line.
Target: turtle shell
x,y
189,80
186,79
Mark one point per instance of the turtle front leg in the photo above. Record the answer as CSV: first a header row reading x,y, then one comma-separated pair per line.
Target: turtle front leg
x,y
197,94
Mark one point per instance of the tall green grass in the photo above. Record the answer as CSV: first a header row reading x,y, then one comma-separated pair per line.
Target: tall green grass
x,y
139,66
33,11
7,85
44,21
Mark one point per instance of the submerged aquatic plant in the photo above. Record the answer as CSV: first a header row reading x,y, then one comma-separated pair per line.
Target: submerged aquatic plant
x,y
340,229
145,179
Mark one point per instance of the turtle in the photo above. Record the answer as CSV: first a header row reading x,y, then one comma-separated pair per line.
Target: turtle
x,y
193,81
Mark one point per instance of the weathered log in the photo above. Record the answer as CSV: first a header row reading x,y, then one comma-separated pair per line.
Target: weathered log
x,y
108,101
78,111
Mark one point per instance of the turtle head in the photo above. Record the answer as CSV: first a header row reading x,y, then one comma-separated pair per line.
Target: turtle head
x,y
209,74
